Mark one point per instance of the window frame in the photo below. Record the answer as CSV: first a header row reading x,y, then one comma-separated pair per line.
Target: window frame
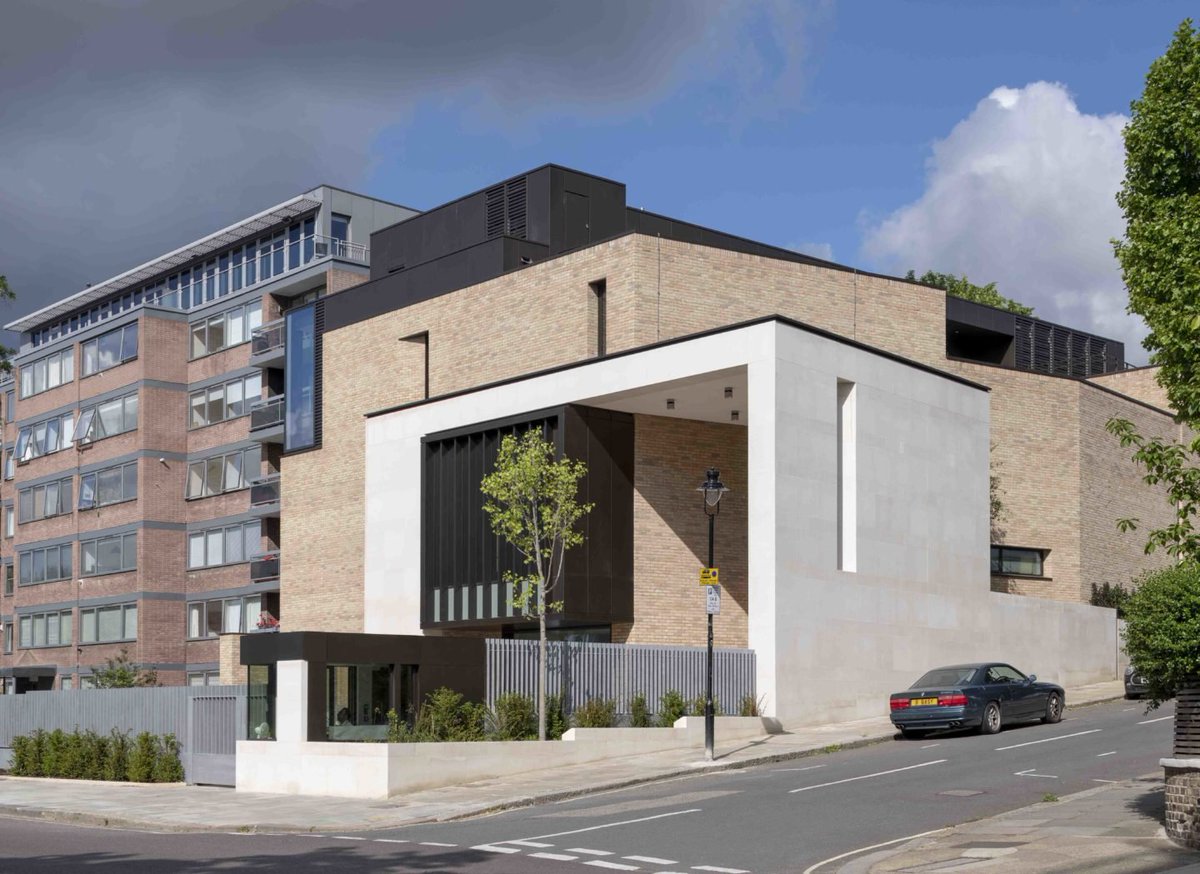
x,y
127,472
124,352
206,537
90,419
997,561
248,472
63,364
64,486
95,543
27,559
202,400
29,437
94,612
60,617
247,624
199,331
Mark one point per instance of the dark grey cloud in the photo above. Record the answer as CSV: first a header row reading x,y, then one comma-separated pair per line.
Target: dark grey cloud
x,y
129,128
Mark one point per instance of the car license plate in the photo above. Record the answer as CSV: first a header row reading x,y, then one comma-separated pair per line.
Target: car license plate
x,y
922,702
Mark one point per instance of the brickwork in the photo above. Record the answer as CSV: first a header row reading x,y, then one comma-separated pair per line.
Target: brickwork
x,y
1183,806
670,533
233,673
1140,384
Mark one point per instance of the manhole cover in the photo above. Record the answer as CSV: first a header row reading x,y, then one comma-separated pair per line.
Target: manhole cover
x,y
961,793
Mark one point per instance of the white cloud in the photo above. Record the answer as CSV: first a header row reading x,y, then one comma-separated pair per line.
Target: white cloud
x,y
817,250
1022,193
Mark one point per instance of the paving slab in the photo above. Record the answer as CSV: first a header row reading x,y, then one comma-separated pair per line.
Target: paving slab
x,y
178,807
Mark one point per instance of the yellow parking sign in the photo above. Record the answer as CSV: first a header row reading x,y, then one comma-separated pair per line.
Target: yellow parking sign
x,y
709,576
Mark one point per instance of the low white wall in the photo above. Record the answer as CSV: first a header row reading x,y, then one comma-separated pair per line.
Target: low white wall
x,y
368,770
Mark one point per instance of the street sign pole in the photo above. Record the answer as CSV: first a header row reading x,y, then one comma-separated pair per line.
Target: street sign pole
x,y
708,682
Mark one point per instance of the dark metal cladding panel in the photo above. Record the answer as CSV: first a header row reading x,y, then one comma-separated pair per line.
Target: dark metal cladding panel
x,y
537,227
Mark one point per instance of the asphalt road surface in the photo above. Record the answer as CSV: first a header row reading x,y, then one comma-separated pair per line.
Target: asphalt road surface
x,y
791,816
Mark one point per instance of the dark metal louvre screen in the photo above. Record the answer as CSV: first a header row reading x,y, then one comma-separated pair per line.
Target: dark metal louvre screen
x,y
1046,348
318,369
506,208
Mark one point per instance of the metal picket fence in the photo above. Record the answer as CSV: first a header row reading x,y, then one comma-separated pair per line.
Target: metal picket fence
x,y
615,671
206,720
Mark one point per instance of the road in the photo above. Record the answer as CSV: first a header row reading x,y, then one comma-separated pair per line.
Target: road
x,y
790,816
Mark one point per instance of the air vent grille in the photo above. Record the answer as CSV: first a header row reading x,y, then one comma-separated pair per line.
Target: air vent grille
x,y
495,211
507,207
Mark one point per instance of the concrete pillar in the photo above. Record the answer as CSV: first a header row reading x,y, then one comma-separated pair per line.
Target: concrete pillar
x,y
291,701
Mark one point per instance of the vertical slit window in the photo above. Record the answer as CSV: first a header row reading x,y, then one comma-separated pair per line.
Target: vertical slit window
x,y
847,476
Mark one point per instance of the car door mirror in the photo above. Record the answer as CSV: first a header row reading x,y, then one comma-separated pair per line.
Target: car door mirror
x,y
1032,678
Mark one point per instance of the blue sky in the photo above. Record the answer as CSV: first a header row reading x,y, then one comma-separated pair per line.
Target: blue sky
x,y
873,132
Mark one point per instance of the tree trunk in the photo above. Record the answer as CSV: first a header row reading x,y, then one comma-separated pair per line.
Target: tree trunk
x,y
542,675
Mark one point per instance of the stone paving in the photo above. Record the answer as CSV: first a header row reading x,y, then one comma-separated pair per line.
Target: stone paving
x,y
203,808
1114,829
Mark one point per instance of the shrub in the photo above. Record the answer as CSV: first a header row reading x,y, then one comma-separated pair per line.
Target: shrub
x,y
54,753
556,718
1162,631
116,762
639,713
26,755
445,716
697,706
750,706
670,707
167,766
94,749
141,758
596,713
515,717
1109,595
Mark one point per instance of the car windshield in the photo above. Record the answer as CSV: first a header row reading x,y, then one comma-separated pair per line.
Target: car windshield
x,y
945,677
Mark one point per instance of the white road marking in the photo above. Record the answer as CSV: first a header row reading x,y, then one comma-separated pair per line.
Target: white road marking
x,y
720,870
527,841
930,746
436,844
1047,740
492,848
809,768
867,776
588,852
616,866
1102,755
346,838
1127,709
1095,780
1160,719
557,857
650,860
389,841
1029,773
811,868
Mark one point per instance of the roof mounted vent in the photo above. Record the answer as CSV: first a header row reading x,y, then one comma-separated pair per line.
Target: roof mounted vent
x,y
506,207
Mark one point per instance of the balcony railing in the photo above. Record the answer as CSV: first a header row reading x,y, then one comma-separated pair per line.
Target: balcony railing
x,y
265,492
268,338
264,567
267,413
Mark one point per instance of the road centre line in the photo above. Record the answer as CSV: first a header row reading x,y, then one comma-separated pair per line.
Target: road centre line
x,y
593,828
930,746
720,870
492,848
616,866
1160,719
1096,780
811,868
650,860
1102,755
1047,740
529,843
436,844
867,776
556,857
809,768
346,838
588,852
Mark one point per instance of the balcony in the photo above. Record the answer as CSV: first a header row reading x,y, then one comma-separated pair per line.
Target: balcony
x,y
265,567
266,420
264,497
267,345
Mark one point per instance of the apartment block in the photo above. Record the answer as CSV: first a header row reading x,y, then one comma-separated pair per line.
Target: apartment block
x,y
141,448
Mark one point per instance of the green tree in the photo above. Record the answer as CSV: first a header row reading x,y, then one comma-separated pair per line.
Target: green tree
x,y
6,353
1160,197
1162,625
120,673
532,500
960,286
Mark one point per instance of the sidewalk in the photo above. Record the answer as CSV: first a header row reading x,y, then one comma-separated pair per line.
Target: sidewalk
x,y
1115,828
205,808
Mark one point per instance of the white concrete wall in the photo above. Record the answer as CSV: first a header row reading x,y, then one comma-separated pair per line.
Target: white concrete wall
x,y
920,595
374,770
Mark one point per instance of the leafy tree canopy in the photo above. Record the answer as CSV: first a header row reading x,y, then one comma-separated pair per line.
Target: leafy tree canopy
x,y
960,286
6,353
1162,625
120,673
1160,253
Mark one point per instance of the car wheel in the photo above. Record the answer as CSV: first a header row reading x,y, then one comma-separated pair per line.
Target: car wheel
x,y
912,733
991,719
1054,709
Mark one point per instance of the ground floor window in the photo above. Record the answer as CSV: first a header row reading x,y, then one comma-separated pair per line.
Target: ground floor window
x,y
260,702
358,698
204,678
589,634
1017,561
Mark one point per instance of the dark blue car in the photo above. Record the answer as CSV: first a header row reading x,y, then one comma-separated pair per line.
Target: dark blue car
x,y
986,696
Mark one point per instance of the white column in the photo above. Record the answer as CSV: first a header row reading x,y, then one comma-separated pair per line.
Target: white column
x,y
761,528
291,701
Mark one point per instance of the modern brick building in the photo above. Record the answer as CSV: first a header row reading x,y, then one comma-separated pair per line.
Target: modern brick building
x,y
141,513
167,545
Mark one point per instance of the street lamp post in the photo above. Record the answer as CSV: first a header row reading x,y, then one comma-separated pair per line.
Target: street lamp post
x,y
713,490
